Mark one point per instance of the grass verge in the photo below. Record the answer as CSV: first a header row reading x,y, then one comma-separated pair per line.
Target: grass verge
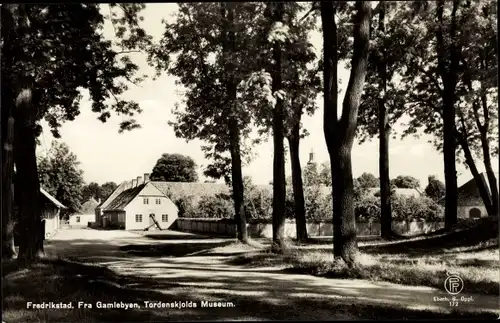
x,y
478,267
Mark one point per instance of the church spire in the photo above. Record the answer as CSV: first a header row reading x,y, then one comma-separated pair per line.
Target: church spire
x,y
311,157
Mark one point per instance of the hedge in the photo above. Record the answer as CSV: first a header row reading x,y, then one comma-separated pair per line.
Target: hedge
x,y
258,207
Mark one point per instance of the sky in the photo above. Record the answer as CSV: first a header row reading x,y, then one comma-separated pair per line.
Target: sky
x,y
105,155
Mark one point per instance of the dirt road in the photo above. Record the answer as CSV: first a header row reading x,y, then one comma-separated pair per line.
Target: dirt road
x,y
169,266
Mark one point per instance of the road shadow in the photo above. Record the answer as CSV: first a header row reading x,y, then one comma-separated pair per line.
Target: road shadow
x,y
174,236
251,297
178,249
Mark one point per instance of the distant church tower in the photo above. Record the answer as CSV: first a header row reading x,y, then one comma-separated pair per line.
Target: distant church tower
x,y
311,158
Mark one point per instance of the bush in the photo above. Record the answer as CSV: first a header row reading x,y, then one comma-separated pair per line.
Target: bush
x,y
318,205
258,205
219,206
412,208
367,209
185,206
404,208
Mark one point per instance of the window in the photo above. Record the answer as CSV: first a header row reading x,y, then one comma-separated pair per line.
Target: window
x,y
77,219
146,200
138,218
158,201
164,218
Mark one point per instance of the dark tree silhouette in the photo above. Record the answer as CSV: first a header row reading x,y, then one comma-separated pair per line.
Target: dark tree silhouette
x,y
174,168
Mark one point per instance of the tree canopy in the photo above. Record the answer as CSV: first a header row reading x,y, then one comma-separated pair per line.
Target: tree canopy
x,y
405,181
61,176
435,189
368,180
174,168
98,192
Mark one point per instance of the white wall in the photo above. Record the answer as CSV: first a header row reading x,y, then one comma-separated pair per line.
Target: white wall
x,y
84,219
137,206
463,211
51,219
51,226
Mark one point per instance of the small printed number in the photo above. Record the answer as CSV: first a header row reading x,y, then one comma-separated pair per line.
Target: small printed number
x,y
453,303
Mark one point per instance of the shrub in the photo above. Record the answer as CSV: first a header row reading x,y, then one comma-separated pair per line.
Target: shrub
x,y
407,208
367,209
404,208
318,205
258,205
219,206
185,206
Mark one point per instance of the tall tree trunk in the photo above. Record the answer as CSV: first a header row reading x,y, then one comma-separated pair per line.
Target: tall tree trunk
x,y
298,186
330,97
237,182
481,185
492,180
339,134
7,133
384,133
8,248
27,183
279,189
485,144
489,197
450,169
229,47
448,73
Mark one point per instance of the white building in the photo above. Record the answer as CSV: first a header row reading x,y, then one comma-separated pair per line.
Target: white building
x,y
139,206
85,215
470,203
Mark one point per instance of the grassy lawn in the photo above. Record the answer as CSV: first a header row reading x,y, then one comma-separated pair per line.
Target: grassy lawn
x,y
472,254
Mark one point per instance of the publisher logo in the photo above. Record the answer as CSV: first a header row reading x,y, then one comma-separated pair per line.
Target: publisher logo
x,y
453,284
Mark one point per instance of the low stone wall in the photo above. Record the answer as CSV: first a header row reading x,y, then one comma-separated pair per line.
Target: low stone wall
x,y
265,230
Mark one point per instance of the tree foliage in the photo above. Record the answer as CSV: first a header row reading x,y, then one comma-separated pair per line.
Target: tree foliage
x,y
368,180
59,66
174,168
61,176
449,72
91,190
405,181
97,192
435,189
191,49
63,51
385,47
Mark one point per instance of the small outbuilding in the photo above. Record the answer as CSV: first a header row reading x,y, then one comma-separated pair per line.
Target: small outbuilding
x,y
85,215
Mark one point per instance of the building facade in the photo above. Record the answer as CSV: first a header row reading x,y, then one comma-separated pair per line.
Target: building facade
x,y
141,207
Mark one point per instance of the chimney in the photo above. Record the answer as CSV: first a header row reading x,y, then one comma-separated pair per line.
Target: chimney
x,y
134,183
139,180
311,157
146,178
98,200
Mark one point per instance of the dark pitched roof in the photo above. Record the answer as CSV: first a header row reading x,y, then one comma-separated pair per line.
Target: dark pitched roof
x,y
124,198
52,199
122,187
468,194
